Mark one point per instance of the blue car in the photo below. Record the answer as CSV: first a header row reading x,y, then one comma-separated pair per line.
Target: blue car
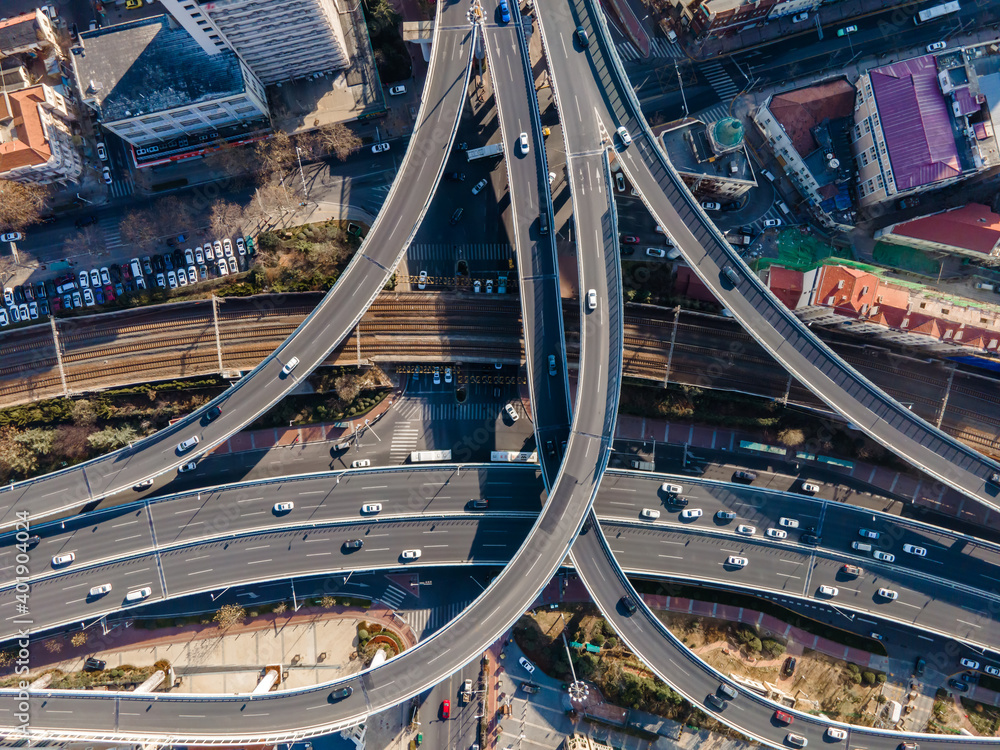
x,y
504,11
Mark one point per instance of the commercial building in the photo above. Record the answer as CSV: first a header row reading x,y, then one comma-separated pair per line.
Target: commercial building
x,y
972,231
919,125
29,33
152,84
279,40
36,137
711,158
725,17
852,299
809,133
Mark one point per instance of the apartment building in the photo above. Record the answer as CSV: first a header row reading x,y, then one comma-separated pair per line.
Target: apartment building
x,y
36,137
726,17
711,158
279,40
27,33
151,82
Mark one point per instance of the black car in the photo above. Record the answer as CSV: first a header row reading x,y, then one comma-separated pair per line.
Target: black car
x,y
457,216
212,414
959,685
18,294
811,539
788,668
339,695
677,501
582,37
714,701
85,221
746,477
31,541
50,288
918,669
160,263
455,176
352,544
629,604
626,250
480,503
94,665
40,291
550,448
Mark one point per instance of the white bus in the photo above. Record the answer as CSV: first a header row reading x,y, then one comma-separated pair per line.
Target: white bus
x,y
936,12
514,457
423,457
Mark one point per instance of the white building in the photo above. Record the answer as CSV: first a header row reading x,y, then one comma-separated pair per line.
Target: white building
x,y
279,39
150,81
36,137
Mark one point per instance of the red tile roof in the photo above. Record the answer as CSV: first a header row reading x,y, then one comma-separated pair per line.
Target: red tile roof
x,y
801,110
31,147
786,285
973,227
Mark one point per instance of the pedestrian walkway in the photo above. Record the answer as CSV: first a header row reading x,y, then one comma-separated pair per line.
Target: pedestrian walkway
x,y
123,187
720,80
659,48
404,441
419,410
478,251
425,622
714,113
112,234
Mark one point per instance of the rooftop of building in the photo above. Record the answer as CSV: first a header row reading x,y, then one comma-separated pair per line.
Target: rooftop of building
x,y
18,32
22,134
687,146
801,110
917,122
151,65
973,227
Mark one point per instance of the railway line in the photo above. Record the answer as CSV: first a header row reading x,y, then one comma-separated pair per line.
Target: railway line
x,y
164,343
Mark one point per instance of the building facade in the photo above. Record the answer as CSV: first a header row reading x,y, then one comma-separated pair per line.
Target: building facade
x,y
151,82
710,158
28,33
279,40
36,137
972,231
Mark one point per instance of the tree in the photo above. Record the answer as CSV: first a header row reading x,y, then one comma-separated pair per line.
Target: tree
x,y
867,678
78,639
226,217
85,241
339,140
112,438
280,608
229,615
137,228
327,602
269,199
791,438
236,162
20,205
173,215
349,385
275,154
772,648
83,413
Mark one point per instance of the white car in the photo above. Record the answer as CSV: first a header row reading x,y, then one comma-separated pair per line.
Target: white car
x,y
217,245
3,318
477,188
227,248
528,666
209,251
241,246
371,509
936,46
768,223
186,445
290,365
776,533
832,732
737,562
592,299
650,513
101,590
799,18
361,463
789,523
725,515
671,489
106,173
11,237
199,255
624,135
84,278
509,410
95,278
138,594
8,296
883,556
172,279
233,268
691,513
379,148
411,554
990,669
65,559
105,275
422,280
88,301
656,252
223,269
447,374
711,206
397,90
888,594
192,275
829,590
102,152
182,277
746,529
810,488
189,256
283,507
522,143
915,550
970,663
437,376
477,286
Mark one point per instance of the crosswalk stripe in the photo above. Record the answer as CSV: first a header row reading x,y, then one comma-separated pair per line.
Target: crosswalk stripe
x,y
719,80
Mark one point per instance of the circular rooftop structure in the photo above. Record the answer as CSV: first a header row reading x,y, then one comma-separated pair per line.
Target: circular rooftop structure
x,y
728,132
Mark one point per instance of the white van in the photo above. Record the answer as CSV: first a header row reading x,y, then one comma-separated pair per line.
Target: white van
x,y
985,287
784,208
138,594
861,546
188,444
136,268
101,590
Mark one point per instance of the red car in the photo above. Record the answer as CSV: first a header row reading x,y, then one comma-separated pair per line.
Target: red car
x,y
109,293
628,239
783,717
445,709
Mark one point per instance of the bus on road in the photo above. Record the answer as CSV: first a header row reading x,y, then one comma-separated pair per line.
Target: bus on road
x,y
422,457
936,12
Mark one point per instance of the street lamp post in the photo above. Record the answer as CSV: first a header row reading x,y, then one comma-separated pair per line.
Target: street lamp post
x,y
298,155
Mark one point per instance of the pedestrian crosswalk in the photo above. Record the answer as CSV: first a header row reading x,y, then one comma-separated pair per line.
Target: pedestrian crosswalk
x,y
425,622
112,234
658,48
404,441
486,251
123,186
393,596
720,80
713,114
417,410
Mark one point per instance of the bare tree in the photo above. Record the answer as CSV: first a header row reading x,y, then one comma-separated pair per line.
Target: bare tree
x,y
20,205
173,214
137,228
311,144
275,154
236,162
226,217
339,140
86,240
268,200
229,615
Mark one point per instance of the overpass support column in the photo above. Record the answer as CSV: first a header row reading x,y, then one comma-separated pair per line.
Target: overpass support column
x,y
62,370
944,401
215,324
673,337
